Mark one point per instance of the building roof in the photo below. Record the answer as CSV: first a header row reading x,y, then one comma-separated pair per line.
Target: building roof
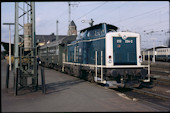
x,y
48,38
6,47
63,41
72,23
156,48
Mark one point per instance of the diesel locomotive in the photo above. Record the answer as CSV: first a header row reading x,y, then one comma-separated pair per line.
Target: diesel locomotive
x,y
99,54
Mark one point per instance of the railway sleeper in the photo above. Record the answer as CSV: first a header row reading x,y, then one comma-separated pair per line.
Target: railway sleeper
x,y
160,73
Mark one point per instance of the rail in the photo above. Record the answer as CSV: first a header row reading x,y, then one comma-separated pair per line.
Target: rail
x,y
151,94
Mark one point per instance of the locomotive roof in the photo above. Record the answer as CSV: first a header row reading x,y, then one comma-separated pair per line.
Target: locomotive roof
x,y
97,25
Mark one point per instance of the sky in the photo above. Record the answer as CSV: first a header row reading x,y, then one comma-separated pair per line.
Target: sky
x,y
142,17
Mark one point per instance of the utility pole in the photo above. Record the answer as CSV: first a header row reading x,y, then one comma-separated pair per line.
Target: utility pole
x,y
153,39
9,43
153,59
57,30
26,49
69,14
57,47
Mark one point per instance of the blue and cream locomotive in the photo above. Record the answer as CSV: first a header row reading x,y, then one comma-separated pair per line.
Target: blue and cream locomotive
x,y
101,54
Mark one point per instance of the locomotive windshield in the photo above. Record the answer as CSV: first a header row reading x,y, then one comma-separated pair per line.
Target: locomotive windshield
x,y
81,35
95,33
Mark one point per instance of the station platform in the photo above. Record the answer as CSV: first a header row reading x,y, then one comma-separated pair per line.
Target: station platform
x,y
65,93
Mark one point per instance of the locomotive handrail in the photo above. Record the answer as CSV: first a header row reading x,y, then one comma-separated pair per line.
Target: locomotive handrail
x,y
86,41
101,66
104,66
148,80
96,64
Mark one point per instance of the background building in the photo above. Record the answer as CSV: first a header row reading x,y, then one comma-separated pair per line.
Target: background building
x,y
72,29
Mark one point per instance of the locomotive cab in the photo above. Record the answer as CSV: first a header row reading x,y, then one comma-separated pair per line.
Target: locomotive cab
x,y
123,58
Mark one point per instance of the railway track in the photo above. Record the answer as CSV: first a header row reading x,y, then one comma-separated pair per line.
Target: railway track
x,y
157,80
159,101
153,94
143,91
160,73
156,92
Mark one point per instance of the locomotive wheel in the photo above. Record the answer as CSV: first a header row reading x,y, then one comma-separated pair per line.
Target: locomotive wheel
x,y
76,71
59,68
65,70
55,67
81,74
90,77
68,71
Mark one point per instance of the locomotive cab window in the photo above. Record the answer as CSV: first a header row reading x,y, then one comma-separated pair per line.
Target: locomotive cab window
x,y
81,35
95,33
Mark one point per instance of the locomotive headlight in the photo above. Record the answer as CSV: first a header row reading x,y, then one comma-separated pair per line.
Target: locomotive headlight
x,y
110,59
140,58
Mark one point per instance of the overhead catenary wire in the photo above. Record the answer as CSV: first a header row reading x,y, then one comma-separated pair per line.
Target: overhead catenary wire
x,y
118,7
99,17
89,4
139,15
151,24
96,18
131,23
90,11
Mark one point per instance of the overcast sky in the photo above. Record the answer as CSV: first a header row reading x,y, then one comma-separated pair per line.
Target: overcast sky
x,y
141,17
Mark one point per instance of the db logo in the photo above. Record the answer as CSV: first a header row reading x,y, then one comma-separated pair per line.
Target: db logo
x,y
118,46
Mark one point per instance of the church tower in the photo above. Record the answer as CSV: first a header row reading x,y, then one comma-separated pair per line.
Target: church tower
x,y
72,29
